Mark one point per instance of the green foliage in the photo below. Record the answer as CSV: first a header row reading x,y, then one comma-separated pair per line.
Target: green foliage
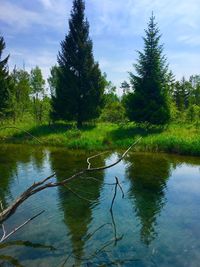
x,y
193,113
176,138
125,87
41,109
113,112
185,99
19,97
149,101
80,85
181,94
38,93
53,80
37,82
110,95
4,82
194,96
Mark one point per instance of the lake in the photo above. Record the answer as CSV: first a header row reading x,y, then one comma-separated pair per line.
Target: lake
x,y
157,223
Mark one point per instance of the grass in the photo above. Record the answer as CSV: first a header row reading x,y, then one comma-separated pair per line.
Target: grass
x,y
175,138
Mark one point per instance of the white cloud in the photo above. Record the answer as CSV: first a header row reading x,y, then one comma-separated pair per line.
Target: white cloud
x,y
45,60
16,16
178,21
116,29
20,18
130,17
190,40
46,3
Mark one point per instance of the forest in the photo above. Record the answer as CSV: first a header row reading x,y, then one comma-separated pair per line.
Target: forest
x,y
78,107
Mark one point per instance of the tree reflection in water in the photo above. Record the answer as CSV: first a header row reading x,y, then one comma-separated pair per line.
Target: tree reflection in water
x,y
77,210
148,176
5,258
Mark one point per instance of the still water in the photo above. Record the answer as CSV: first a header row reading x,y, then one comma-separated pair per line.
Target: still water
x,y
157,223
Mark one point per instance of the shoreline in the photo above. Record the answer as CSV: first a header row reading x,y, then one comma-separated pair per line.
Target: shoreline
x,y
174,139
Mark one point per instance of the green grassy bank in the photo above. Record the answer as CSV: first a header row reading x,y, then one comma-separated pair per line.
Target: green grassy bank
x,y
175,138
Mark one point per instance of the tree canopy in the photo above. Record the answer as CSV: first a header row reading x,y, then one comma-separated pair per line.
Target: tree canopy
x,y
149,101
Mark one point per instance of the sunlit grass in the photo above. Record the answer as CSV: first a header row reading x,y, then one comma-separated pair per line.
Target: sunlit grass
x,y
175,138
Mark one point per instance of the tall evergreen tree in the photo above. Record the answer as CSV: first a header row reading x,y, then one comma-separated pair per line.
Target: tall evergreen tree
x,y
4,81
149,100
80,86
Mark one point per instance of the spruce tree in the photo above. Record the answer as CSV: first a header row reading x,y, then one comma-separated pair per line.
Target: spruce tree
x,y
80,87
4,81
149,100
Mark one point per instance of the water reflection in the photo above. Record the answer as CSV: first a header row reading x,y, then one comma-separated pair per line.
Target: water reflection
x,y
148,176
11,157
83,229
6,259
77,199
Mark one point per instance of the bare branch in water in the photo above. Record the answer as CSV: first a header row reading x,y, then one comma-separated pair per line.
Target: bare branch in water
x,y
108,243
41,185
76,194
6,236
95,156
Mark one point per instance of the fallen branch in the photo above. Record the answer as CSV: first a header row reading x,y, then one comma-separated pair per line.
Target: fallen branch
x,y
6,236
77,195
44,184
92,157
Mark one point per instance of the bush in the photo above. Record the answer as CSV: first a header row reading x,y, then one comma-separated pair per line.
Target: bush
x,y
113,112
193,113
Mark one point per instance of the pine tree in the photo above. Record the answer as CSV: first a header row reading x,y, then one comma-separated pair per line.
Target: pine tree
x,y
4,81
80,86
149,100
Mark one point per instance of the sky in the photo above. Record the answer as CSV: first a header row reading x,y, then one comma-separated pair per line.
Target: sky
x,y
33,30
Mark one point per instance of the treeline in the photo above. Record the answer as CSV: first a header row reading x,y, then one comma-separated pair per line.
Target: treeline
x,y
185,96
22,94
80,92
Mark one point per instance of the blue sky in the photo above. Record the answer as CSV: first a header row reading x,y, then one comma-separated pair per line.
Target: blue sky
x,y
33,30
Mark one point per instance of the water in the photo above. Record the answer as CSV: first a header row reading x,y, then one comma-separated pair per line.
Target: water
x,y
155,224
